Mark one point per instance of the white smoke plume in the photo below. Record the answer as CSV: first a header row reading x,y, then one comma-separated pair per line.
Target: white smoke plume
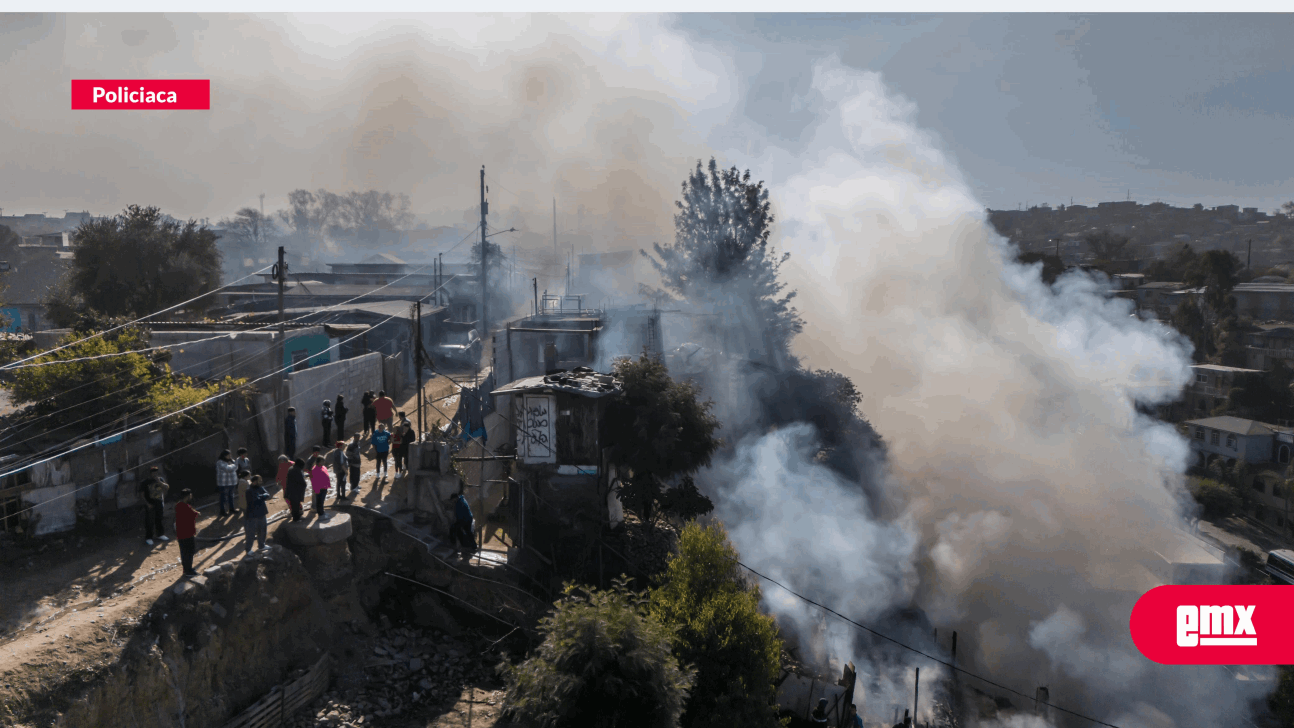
x,y
1031,489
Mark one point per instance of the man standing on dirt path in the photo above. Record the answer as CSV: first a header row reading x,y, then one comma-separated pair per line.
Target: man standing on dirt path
x,y
186,528
384,408
226,482
153,490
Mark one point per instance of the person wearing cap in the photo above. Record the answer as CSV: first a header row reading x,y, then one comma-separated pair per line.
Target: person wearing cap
x,y
186,528
226,482
153,490
819,716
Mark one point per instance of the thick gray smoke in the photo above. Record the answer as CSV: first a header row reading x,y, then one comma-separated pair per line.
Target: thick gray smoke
x,y
601,112
1033,490
1027,488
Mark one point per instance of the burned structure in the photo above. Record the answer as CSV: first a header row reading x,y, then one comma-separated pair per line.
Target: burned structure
x,y
562,493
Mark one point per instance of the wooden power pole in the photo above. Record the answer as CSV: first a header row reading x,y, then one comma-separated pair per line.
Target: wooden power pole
x,y
417,358
281,275
485,255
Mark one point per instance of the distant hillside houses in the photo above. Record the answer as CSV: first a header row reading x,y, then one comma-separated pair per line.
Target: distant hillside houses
x,y
1154,230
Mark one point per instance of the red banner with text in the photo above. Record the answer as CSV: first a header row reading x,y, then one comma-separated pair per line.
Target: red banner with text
x,y
1215,625
167,95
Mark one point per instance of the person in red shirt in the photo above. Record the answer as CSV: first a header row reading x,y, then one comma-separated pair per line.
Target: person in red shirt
x,y
384,408
186,527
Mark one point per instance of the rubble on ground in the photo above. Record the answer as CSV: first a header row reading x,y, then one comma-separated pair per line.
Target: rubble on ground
x,y
402,672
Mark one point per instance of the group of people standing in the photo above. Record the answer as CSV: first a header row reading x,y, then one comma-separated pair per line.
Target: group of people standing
x,y
243,493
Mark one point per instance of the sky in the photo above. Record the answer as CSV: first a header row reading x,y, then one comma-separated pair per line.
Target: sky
x,y
1032,108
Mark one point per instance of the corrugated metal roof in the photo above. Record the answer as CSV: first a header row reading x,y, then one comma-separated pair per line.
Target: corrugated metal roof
x,y
580,381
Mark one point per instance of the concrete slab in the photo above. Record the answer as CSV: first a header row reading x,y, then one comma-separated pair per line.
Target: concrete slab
x,y
334,526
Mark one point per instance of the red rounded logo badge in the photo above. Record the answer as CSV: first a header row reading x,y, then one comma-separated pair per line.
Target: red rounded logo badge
x,y
1215,625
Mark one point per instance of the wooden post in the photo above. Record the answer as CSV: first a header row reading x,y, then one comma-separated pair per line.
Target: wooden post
x,y
916,695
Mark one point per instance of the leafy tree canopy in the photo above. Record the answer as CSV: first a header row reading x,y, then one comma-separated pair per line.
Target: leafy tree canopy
x,y
605,662
719,629
1106,246
721,255
1052,266
660,429
142,261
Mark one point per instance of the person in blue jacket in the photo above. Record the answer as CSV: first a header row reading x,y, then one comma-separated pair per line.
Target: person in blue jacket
x,y
461,533
381,440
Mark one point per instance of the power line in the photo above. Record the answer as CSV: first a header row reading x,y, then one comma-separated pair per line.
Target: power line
x,y
214,434
196,341
949,665
205,401
862,626
13,365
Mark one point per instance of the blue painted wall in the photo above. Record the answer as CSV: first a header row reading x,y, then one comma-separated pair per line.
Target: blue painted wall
x,y
314,344
13,318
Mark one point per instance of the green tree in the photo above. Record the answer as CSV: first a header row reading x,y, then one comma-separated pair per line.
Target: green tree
x,y
1106,246
1173,267
605,662
1052,266
361,217
141,261
91,392
721,255
1189,320
1216,270
1281,701
1217,499
659,429
719,629
1263,396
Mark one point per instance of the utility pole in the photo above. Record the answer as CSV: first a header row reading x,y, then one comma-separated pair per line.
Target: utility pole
x,y
1249,257
417,358
485,255
555,228
281,275
534,282
916,696
440,272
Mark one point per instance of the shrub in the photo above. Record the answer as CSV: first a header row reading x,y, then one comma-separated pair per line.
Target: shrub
x,y
1217,499
720,630
605,662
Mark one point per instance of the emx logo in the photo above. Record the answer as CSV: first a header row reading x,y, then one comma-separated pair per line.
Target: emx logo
x,y
1215,625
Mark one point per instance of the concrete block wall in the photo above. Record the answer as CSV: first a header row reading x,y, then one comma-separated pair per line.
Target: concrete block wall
x,y
310,387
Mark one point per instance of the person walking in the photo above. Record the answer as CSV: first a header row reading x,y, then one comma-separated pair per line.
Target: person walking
x,y
153,490
353,462
461,533
370,414
381,448
186,528
384,409
226,482
339,415
319,483
325,418
295,490
339,464
290,433
258,512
